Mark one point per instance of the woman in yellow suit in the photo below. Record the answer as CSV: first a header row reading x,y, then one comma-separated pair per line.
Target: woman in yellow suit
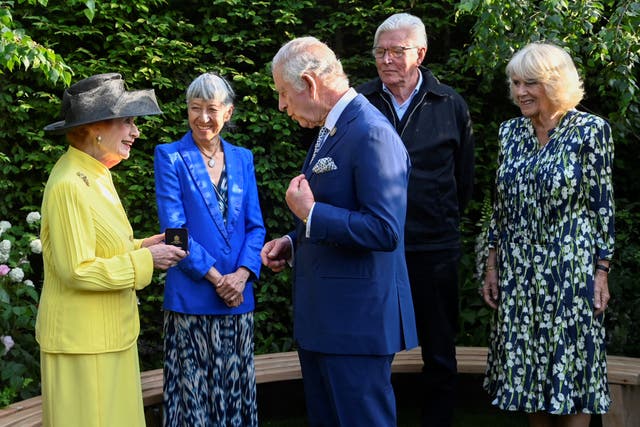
x,y
88,324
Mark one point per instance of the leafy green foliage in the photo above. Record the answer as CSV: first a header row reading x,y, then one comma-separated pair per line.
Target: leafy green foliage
x,y
164,44
622,321
18,49
19,275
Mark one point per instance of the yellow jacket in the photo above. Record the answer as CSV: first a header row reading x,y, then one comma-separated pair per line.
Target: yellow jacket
x,y
92,263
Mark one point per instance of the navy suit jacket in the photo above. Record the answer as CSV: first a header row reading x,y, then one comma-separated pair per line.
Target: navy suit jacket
x,y
351,288
186,198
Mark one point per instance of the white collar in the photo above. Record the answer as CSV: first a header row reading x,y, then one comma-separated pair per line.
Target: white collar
x,y
336,111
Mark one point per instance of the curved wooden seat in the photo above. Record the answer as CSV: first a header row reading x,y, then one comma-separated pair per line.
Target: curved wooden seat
x,y
623,374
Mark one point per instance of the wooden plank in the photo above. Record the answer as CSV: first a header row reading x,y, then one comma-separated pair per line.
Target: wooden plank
x,y
152,390
615,416
27,417
623,370
27,413
274,367
471,360
624,410
152,382
153,373
151,397
21,406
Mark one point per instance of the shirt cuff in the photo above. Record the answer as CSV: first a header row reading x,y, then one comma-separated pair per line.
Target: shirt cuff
x,y
307,231
290,260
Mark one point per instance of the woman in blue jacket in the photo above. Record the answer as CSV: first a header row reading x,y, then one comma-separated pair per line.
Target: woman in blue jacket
x,y
208,186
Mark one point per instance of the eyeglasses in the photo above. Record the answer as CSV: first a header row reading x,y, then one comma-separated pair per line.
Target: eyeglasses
x,y
394,51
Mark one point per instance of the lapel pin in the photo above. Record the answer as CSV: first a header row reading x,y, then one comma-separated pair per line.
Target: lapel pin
x,y
333,131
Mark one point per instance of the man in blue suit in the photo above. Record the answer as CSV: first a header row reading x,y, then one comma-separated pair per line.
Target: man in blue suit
x,y
352,300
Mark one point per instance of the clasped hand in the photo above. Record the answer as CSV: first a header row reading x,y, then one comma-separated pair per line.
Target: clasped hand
x,y
230,287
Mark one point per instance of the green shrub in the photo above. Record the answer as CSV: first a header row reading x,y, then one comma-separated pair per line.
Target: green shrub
x,y
20,251
623,315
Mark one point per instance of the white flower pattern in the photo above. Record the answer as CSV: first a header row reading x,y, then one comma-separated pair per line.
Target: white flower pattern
x,y
553,217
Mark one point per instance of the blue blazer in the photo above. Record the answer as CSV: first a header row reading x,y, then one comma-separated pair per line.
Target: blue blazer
x,y
186,198
351,287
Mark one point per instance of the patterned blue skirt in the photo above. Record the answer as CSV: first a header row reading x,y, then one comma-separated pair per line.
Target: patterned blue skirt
x,y
209,375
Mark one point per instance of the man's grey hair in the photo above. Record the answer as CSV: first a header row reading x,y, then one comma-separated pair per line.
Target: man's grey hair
x,y
309,55
404,21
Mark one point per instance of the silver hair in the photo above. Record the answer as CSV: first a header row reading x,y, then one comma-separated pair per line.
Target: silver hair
x,y
211,86
404,21
309,55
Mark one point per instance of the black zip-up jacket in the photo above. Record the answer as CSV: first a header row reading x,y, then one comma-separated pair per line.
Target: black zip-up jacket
x,y
436,129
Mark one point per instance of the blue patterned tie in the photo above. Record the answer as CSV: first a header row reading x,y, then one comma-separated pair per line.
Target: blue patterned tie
x,y
321,137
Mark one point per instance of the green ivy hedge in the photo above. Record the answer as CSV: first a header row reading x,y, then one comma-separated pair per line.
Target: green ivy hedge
x,y
165,44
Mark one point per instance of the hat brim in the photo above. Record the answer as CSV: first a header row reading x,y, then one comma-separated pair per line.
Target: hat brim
x,y
132,104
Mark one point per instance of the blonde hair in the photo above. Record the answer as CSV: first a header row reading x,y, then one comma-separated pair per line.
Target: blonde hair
x,y
551,66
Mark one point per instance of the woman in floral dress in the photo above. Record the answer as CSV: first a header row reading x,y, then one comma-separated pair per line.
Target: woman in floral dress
x,y
550,243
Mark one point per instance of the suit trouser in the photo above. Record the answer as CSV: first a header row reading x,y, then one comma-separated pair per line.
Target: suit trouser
x,y
348,390
434,288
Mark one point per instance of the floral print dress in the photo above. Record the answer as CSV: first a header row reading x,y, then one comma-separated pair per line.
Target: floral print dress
x,y
552,219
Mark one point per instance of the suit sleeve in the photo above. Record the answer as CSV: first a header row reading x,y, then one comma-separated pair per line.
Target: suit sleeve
x,y
73,246
171,210
254,225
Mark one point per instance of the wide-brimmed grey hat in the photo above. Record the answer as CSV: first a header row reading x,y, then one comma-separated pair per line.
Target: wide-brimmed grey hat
x,y
102,97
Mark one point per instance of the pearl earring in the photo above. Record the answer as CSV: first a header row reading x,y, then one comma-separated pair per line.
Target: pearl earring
x,y
98,139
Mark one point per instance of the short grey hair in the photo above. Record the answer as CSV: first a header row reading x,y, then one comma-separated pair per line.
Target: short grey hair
x,y
211,86
404,21
309,55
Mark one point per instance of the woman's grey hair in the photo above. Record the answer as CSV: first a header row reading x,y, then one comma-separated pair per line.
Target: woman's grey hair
x,y
551,66
309,55
211,86
404,21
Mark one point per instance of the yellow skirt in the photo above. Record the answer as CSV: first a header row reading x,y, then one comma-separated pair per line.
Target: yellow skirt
x,y
91,390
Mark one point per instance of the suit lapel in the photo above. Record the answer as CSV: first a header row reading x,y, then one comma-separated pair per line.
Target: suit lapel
x,y
335,135
312,144
307,160
199,175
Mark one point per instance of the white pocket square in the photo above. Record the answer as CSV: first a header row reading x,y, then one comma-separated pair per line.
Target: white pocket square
x,y
324,165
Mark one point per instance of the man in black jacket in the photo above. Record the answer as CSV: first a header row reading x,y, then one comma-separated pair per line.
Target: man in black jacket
x,y
434,123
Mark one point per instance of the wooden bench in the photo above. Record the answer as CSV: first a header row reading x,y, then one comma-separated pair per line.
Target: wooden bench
x,y
624,383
